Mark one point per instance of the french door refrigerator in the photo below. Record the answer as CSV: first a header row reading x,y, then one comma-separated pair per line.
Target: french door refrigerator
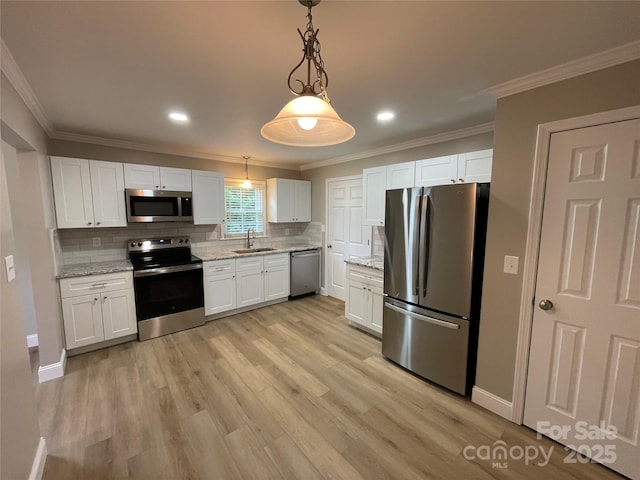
x,y
433,261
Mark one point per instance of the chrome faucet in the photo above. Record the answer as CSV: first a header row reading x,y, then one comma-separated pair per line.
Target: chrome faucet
x,y
249,242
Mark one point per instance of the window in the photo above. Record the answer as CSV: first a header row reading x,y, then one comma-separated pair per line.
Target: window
x,y
244,208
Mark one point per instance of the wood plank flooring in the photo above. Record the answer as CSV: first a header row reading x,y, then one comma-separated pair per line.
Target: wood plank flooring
x,y
289,391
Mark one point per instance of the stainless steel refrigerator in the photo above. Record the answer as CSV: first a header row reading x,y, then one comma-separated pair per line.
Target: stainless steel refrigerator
x,y
433,261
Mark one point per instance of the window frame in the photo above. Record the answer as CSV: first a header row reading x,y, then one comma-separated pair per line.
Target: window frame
x,y
237,183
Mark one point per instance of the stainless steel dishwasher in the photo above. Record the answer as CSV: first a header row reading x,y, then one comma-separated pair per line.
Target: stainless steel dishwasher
x,y
305,273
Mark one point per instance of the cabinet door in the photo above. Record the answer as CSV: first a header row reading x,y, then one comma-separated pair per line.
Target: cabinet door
x,y
355,305
72,192
280,200
107,188
436,171
219,293
475,166
376,297
82,318
401,175
118,314
276,282
178,179
249,288
145,177
302,201
374,182
208,197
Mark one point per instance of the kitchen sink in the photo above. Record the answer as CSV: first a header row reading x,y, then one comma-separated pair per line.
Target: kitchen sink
x,y
254,250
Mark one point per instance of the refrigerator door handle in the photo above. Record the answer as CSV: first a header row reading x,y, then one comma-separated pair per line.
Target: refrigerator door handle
x,y
416,244
424,242
434,321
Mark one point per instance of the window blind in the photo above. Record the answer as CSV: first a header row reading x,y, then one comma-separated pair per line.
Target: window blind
x,y
244,209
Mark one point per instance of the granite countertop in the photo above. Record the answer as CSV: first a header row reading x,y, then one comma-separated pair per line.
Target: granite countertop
x,y
215,254
82,269
377,263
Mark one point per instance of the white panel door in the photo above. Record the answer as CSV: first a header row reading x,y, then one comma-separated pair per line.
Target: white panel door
x,y
436,171
219,293
118,314
374,181
82,320
584,361
145,177
347,236
72,192
178,179
475,166
107,188
208,197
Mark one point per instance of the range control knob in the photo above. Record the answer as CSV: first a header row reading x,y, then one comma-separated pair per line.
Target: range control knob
x,y
186,241
133,244
139,244
180,241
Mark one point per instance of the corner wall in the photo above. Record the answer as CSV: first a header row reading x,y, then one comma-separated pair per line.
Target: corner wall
x,y
516,122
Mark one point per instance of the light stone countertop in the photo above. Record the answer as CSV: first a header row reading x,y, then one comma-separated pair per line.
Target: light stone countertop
x,y
377,263
82,269
214,254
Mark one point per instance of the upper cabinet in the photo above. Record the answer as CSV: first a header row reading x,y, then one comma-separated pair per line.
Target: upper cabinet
x,y
288,200
148,177
463,168
378,179
88,193
208,197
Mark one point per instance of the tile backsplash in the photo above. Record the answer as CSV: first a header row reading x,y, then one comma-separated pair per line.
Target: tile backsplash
x,y
377,242
75,246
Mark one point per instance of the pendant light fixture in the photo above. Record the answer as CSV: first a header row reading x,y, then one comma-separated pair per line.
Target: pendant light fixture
x,y
246,183
308,120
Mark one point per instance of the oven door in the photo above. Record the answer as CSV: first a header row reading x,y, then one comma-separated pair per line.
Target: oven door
x,y
145,206
167,291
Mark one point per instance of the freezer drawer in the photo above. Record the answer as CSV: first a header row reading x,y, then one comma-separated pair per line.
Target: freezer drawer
x,y
432,345
305,273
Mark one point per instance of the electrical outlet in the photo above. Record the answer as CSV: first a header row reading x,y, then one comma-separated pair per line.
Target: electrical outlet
x,y
511,265
96,241
212,236
286,231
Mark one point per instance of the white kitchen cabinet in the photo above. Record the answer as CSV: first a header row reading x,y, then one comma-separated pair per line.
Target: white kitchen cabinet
x,y
376,181
364,298
288,200
149,177
97,308
276,276
219,286
462,168
88,193
262,278
208,197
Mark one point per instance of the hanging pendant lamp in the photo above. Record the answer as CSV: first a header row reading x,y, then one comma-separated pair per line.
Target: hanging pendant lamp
x,y
308,120
246,183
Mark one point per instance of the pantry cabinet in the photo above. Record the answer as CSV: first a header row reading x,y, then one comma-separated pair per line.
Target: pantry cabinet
x,y
364,298
288,200
88,193
149,177
96,308
208,197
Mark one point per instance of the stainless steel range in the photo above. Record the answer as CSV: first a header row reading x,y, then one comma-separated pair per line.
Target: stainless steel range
x,y
168,286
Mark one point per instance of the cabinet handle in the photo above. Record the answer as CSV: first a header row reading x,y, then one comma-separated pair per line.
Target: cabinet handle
x,y
104,298
97,223
164,186
453,180
157,186
95,299
89,223
461,180
98,285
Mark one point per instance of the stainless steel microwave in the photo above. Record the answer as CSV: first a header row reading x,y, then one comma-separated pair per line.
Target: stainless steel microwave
x,y
145,206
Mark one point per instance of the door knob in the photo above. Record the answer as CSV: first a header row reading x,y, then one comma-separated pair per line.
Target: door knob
x,y
545,304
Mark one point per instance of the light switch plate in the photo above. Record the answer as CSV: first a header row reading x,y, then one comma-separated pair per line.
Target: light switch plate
x,y
10,267
511,264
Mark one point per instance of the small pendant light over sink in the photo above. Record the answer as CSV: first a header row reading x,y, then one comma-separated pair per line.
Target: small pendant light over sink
x,y
308,120
246,182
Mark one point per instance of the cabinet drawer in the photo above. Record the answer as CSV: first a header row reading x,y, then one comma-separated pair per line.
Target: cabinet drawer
x,y
367,275
218,267
276,259
248,264
76,286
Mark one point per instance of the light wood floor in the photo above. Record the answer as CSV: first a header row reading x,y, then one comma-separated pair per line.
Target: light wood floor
x,y
285,392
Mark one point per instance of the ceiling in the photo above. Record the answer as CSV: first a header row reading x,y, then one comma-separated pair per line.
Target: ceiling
x,y
115,69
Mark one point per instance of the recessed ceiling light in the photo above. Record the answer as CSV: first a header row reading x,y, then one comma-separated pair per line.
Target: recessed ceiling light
x,y
179,117
385,116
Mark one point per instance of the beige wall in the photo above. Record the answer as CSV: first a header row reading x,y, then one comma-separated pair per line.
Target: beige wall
x,y
65,148
516,121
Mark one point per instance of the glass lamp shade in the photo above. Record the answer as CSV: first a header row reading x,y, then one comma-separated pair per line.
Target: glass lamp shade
x,y
294,125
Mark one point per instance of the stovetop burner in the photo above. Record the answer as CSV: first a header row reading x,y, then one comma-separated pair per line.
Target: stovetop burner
x,y
160,253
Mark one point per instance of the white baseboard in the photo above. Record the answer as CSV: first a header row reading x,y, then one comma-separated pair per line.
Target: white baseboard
x,y
323,291
37,468
492,402
32,340
53,371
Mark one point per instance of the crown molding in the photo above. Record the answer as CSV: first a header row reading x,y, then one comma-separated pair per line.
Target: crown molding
x,y
155,148
15,76
591,63
398,147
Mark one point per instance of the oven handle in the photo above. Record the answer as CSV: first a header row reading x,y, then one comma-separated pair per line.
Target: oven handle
x,y
163,270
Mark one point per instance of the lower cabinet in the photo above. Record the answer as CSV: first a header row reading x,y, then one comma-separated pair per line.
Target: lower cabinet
x,y
364,298
245,281
97,308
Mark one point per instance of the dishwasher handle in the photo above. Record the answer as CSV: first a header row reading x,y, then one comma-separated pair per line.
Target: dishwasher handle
x,y
309,253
